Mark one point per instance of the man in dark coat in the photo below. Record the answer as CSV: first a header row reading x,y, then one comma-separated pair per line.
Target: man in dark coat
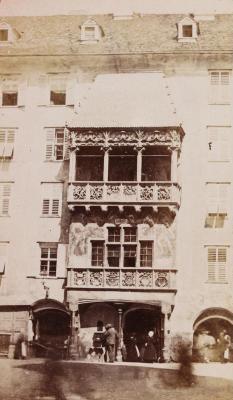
x,y
110,338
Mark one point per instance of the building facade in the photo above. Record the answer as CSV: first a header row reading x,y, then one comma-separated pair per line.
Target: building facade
x,y
115,177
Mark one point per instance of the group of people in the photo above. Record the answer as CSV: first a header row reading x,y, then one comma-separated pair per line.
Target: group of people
x,y
207,348
144,348
135,349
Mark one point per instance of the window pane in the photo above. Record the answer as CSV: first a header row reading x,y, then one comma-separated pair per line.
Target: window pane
x,y
113,256
114,234
146,254
97,255
43,267
52,268
53,252
44,252
90,33
130,234
59,150
129,256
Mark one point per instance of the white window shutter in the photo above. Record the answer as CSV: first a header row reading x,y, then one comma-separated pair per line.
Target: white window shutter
x,y
49,149
212,259
214,87
66,145
61,260
222,260
70,92
22,94
43,91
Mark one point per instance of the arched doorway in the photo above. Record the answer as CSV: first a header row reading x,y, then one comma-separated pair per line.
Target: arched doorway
x,y
207,327
51,326
139,321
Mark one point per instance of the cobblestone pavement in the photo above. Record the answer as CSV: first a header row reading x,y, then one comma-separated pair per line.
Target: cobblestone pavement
x,y
43,379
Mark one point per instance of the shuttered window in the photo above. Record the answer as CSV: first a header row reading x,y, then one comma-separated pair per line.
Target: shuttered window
x,y
5,192
217,197
56,144
7,138
220,87
219,143
51,199
217,263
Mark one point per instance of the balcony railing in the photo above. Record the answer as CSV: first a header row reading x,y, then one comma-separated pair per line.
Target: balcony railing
x,y
124,193
123,279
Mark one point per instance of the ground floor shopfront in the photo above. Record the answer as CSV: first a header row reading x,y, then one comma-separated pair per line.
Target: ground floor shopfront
x,y
49,325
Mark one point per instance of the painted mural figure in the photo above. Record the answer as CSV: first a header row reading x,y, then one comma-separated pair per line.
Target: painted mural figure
x,y
110,338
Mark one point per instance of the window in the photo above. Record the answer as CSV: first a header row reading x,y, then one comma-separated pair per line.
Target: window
x,y
56,144
217,262
146,254
51,199
5,192
48,260
97,256
122,249
215,220
219,142
217,197
9,91
4,35
7,138
58,91
219,87
187,30
90,31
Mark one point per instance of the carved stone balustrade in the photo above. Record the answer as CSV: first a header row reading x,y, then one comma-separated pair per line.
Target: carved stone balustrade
x,y
124,193
123,279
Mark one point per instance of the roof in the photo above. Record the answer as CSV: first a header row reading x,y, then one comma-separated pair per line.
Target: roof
x,y
126,100
142,33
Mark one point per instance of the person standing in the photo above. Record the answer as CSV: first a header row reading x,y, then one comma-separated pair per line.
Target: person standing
x,y
110,338
150,348
224,344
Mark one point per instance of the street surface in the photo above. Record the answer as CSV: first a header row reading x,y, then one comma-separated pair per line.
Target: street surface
x,y
69,380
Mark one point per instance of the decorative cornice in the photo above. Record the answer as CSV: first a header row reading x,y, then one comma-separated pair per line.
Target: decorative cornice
x,y
171,137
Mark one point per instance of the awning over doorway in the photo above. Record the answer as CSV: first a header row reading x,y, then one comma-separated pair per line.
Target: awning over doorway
x,y
49,304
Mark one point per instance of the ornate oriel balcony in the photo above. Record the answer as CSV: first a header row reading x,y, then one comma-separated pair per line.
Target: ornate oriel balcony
x,y
124,193
122,279
136,167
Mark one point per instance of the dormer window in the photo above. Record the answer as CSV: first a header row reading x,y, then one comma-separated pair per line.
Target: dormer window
x,y
187,30
90,32
7,34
